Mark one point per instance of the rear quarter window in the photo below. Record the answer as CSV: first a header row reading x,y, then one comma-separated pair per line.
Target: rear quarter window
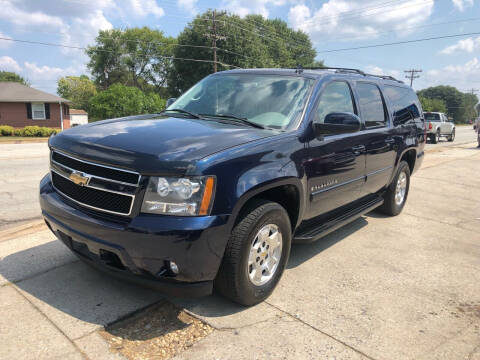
x,y
404,103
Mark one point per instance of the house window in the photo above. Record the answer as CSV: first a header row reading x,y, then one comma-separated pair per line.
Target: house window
x,y
38,111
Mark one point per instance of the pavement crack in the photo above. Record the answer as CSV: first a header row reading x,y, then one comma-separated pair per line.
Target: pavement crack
x,y
52,323
322,332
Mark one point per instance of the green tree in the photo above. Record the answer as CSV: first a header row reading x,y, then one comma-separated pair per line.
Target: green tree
x,y
451,96
78,89
134,57
11,76
469,104
249,42
120,100
436,105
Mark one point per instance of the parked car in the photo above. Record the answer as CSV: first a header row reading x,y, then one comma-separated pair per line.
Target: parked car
x,y
437,125
212,192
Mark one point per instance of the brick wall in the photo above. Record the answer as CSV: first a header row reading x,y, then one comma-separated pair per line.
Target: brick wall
x,y
15,114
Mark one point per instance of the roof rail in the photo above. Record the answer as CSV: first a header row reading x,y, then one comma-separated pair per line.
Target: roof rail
x,y
299,69
386,77
338,69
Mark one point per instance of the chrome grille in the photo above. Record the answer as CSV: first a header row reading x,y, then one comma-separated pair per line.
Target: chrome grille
x,y
92,185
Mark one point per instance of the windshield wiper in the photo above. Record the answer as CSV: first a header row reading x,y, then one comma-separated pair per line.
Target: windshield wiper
x,y
236,118
192,114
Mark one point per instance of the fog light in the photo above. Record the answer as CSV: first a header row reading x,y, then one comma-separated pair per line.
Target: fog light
x,y
173,267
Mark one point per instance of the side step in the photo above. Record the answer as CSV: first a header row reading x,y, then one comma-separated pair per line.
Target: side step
x,y
316,232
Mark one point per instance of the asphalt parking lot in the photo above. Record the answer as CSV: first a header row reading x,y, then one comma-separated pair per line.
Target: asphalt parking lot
x,y
380,288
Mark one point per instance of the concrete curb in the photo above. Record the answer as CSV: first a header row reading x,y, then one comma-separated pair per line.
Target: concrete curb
x,y
23,229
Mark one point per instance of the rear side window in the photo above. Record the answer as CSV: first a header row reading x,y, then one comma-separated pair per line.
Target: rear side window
x,y
336,97
404,104
371,104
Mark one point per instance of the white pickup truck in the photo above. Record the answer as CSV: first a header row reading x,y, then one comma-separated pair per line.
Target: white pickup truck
x,y
437,125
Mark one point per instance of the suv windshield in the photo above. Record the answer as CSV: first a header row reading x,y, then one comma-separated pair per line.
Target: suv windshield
x,y
273,101
432,117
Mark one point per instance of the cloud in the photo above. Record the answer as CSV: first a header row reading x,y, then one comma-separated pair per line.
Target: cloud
x,y
245,7
376,70
188,5
4,44
469,45
9,64
358,19
459,76
32,18
462,4
142,8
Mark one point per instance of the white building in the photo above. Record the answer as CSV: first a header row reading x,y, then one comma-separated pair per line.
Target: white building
x,y
78,117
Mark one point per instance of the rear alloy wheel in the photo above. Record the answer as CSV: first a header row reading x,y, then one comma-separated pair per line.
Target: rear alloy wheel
x,y
396,194
256,254
451,137
436,137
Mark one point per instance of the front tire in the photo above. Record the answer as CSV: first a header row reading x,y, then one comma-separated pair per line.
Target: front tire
x,y
397,193
451,137
256,254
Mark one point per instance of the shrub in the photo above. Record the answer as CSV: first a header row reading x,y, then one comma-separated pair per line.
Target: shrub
x,y
27,131
6,130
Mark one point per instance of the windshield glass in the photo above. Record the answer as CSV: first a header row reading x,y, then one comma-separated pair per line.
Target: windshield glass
x,y
432,117
269,100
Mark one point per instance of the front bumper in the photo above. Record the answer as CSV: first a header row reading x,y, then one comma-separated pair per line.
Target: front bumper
x,y
139,249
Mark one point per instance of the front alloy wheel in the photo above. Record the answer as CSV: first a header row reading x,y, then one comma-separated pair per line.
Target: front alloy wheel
x,y
256,253
265,254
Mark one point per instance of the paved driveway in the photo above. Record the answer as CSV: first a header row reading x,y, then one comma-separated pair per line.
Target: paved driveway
x,y
380,288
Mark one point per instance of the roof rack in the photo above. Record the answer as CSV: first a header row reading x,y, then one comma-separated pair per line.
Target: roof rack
x,y
299,69
386,77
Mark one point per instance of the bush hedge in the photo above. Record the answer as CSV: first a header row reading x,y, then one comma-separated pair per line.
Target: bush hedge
x,y
39,131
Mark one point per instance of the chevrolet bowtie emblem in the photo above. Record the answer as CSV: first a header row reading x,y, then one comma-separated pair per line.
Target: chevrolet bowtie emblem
x,y
79,178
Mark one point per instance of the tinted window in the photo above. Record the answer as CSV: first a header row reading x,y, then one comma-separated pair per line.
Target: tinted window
x,y
371,104
404,104
336,97
432,116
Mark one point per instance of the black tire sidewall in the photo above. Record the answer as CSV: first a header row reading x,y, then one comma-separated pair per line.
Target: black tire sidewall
x,y
403,167
273,214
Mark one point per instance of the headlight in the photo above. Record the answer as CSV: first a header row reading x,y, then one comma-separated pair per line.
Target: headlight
x,y
179,196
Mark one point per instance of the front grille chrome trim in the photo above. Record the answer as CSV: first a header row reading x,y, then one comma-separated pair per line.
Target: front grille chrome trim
x,y
99,165
90,206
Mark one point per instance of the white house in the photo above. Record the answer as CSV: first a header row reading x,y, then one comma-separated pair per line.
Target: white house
x,y
78,117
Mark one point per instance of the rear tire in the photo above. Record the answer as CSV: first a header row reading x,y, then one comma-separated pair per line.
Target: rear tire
x,y
436,137
394,199
451,137
236,278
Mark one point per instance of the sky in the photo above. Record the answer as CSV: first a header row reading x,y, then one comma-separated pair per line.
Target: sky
x,y
331,25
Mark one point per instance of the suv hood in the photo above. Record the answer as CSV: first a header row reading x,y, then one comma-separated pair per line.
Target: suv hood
x,y
153,144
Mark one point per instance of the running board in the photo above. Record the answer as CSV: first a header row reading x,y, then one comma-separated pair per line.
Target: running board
x,y
314,233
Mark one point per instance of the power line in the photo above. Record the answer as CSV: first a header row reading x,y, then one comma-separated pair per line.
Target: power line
x,y
109,51
399,42
412,75
408,28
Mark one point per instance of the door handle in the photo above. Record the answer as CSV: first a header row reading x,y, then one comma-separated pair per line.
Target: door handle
x,y
390,141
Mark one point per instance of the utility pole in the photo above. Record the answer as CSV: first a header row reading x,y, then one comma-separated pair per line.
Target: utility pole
x,y
412,75
472,91
214,36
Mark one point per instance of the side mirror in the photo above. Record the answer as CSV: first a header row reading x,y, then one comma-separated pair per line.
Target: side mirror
x,y
338,123
170,101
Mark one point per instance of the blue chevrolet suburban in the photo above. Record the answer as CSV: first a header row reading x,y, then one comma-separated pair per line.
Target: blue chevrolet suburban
x,y
211,193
